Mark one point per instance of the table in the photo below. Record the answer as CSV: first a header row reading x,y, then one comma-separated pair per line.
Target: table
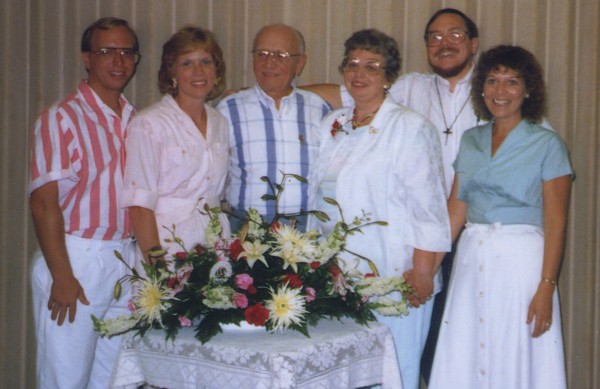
x,y
337,355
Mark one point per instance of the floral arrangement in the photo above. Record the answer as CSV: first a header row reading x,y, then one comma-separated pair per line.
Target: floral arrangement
x,y
269,275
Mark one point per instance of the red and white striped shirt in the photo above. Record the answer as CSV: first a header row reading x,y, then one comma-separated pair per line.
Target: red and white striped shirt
x,y
80,143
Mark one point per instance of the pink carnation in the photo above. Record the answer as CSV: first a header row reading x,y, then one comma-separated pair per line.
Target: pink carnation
x,y
130,306
240,300
184,321
311,294
243,281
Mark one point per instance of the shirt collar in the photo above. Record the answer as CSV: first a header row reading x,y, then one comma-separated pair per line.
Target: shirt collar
x,y
269,101
89,95
466,81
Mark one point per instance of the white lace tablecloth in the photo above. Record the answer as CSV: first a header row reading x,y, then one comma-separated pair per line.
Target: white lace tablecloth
x,y
337,355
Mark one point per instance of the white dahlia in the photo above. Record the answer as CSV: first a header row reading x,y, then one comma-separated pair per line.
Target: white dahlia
x,y
285,307
151,300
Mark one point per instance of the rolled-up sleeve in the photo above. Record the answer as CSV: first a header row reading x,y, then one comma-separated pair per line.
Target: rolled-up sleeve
x,y
142,167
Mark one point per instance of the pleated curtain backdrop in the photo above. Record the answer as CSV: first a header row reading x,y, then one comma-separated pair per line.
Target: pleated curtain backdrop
x,y
40,63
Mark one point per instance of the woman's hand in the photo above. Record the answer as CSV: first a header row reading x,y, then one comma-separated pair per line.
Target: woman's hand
x,y
540,309
422,285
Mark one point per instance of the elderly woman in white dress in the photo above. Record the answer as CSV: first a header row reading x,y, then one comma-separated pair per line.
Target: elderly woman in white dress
x,y
501,326
384,160
177,149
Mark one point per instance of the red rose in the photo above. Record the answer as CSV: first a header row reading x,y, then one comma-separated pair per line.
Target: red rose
x,y
235,249
335,271
315,265
171,282
293,280
251,289
275,226
257,315
199,249
181,255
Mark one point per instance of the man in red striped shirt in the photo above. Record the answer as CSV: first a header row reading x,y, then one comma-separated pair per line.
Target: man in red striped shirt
x,y
78,157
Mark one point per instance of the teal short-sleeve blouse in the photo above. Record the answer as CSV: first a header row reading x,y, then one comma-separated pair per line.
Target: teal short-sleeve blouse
x,y
507,188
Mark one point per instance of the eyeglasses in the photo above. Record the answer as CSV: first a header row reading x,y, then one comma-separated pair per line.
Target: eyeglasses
x,y
371,68
280,57
127,54
454,36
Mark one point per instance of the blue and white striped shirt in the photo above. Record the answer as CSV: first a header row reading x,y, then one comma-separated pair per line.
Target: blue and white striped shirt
x,y
265,141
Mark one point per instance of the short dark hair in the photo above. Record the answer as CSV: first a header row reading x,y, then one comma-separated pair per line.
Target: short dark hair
x,y
188,39
376,42
523,62
471,26
106,24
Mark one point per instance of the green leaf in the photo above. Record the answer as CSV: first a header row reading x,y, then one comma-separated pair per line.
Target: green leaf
x,y
331,201
117,290
299,178
264,179
267,197
322,216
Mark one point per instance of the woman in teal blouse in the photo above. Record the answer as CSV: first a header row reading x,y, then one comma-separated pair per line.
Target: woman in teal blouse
x,y
501,326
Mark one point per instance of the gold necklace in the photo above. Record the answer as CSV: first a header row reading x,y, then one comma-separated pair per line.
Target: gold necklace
x,y
448,130
356,123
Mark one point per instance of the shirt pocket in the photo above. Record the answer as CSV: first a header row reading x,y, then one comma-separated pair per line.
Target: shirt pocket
x,y
179,165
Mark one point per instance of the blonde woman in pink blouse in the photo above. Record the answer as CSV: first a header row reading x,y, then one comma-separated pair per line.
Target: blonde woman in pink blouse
x,y
178,148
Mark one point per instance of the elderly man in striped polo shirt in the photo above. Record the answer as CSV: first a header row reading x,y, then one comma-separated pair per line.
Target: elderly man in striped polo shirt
x,y
273,127
77,166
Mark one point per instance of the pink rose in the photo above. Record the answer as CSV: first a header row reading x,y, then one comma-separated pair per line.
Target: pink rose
x,y
184,321
243,281
311,294
240,300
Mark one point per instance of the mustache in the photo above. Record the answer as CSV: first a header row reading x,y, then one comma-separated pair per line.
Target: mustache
x,y
445,50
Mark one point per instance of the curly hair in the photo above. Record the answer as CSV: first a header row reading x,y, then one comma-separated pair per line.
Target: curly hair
x,y
526,65
188,39
376,42
106,24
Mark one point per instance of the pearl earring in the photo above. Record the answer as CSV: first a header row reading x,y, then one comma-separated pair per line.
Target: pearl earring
x,y
174,83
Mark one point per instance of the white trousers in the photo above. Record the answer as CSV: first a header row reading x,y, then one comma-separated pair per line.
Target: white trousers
x,y
72,355
410,334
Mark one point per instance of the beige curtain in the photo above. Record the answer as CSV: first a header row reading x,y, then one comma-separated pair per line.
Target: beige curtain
x,y
39,41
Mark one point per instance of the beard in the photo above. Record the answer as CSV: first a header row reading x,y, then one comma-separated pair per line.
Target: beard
x,y
453,71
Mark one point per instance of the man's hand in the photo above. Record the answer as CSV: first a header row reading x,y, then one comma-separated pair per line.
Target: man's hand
x,y
63,299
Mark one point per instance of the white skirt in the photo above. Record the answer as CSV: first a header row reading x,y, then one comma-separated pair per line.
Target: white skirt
x,y
485,341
